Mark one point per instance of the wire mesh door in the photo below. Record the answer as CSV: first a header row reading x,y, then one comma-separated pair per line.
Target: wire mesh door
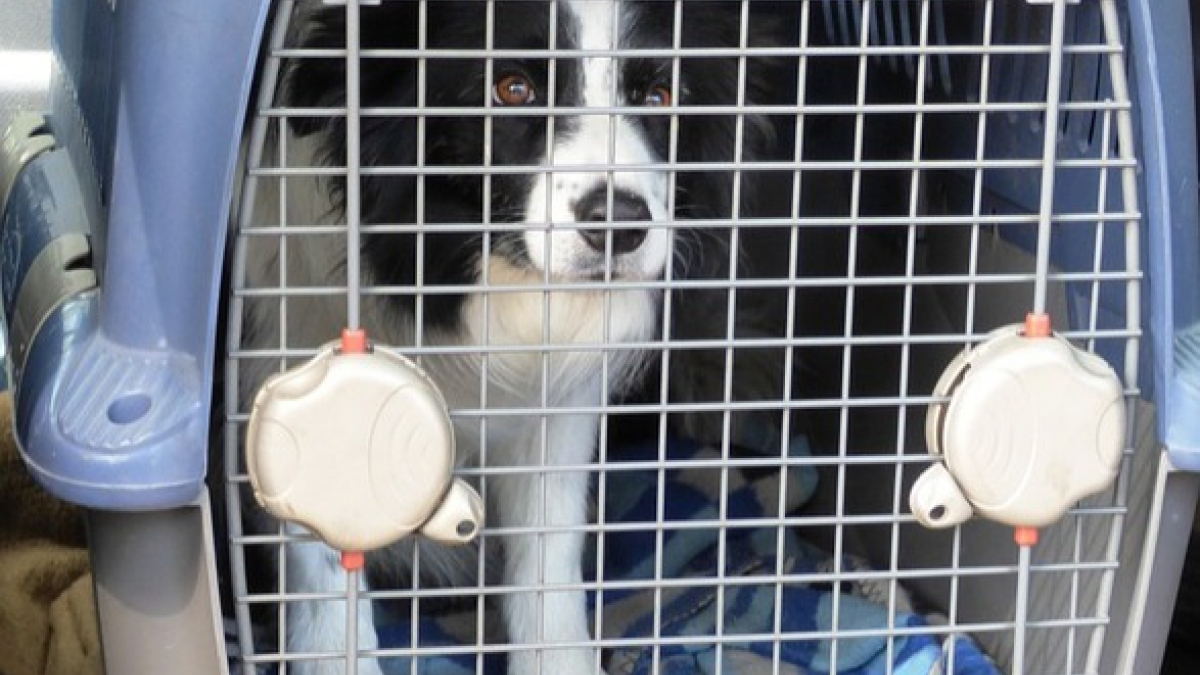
x,y
685,273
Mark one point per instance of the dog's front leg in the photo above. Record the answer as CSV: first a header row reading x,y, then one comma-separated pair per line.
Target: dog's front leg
x,y
319,626
555,502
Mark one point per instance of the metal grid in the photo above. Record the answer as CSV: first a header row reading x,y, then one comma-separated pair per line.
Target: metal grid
x,y
911,207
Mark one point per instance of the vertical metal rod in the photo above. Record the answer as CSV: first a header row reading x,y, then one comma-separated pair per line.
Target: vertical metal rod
x,y
485,360
985,70
660,485
668,297
731,330
956,552
790,332
542,506
856,181
977,191
1054,65
419,198
281,568
1021,612
353,166
352,622
353,261
414,616
420,281
906,329
601,498
1073,613
1058,15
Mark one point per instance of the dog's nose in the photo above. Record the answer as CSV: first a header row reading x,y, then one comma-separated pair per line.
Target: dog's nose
x,y
626,208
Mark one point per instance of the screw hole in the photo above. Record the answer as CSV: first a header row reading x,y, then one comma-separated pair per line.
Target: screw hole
x,y
466,528
937,512
129,408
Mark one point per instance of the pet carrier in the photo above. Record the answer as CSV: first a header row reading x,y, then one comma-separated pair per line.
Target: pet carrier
x,y
883,190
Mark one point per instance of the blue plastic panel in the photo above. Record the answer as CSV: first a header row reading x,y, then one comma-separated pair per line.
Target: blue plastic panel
x,y
1161,57
147,100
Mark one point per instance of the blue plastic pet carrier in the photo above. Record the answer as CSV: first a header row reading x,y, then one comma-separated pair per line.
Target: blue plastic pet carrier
x,y
1048,162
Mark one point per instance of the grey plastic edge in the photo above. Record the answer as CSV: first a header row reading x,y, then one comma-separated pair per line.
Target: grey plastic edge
x,y
156,591
1157,585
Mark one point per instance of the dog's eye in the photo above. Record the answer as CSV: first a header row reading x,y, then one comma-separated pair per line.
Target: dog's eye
x,y
659,96
514,89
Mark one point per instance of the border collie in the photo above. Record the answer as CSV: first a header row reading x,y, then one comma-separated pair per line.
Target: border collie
x,y
584,197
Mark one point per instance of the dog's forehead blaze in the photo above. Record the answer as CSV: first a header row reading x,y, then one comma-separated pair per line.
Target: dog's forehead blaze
x,y
597,27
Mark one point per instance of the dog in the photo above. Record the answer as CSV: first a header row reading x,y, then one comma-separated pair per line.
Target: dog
x,y
577,187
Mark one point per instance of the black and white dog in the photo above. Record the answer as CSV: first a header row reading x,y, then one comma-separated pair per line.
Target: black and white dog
x,y
591,178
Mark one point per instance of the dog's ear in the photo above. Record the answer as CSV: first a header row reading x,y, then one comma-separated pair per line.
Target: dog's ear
x,y
313,81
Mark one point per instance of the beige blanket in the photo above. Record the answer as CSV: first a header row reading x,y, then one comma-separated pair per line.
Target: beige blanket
x,y
47,608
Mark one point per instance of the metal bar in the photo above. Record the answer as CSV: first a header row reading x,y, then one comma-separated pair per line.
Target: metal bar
x,y
862,49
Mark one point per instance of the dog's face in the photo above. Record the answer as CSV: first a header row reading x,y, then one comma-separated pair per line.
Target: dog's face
x,y
594,196
573,101
595,157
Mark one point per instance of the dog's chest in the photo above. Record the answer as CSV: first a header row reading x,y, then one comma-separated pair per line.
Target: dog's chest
x,y
571,334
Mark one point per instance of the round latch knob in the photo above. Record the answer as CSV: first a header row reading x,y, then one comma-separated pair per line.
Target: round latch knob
x,y
359,448
1028,426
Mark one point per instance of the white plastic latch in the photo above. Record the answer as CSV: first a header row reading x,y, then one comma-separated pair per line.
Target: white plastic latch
x,y
359,448
1028,427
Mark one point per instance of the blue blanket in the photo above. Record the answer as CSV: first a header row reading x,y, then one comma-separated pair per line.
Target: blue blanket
x,y
743,612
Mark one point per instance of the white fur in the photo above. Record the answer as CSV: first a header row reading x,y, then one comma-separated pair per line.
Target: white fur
x,y
567,378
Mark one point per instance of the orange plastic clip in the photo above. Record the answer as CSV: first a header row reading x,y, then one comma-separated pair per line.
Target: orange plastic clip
x,y
1037,325
1026,536
353,560
354,341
